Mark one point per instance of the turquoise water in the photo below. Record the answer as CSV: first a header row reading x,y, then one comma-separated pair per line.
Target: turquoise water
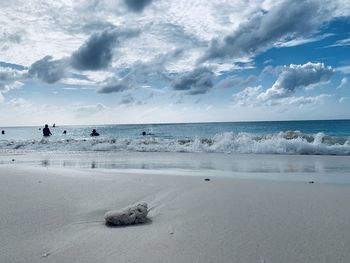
x,y
330,137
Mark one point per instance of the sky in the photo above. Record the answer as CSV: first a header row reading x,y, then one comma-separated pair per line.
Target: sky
x,y
162,61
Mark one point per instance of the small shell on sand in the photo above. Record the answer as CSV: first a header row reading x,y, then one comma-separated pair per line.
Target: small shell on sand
x,y
131,215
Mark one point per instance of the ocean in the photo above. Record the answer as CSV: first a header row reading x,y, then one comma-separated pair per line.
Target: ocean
x,y
321,137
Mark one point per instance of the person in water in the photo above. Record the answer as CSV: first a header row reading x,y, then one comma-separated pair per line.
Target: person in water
x,y
46,131
64,132
94,133
2,132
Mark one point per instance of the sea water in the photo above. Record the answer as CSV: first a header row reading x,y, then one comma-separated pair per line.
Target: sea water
x,y
326,137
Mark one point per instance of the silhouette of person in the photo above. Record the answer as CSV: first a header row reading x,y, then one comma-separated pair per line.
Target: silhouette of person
x,y
46,131
143,133
54,125
2,132
94,133
64,132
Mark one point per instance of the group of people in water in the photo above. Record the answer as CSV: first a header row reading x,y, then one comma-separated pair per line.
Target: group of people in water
x,y
47,132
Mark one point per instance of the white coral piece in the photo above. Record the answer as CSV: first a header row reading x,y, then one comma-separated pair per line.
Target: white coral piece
x,y
131,215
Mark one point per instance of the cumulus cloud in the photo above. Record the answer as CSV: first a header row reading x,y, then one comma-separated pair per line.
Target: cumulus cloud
x,y
250,97
137,5
293,77
198,81
290,79
95,54
286,21
47,69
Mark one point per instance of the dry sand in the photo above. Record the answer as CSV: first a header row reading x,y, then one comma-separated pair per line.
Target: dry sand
x,y
56,215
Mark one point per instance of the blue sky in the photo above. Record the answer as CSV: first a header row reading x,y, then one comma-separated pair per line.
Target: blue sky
x,y
152,61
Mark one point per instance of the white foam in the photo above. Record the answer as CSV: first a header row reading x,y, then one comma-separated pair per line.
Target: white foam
x,y
290,142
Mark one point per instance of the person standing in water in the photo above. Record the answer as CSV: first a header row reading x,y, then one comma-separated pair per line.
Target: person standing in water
x,y
94,133
46,131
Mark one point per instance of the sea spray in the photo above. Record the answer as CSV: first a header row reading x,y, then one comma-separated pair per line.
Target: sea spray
x,y
288,142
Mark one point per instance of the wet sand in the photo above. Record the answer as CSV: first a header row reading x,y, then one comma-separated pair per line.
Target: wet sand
x,y
55,214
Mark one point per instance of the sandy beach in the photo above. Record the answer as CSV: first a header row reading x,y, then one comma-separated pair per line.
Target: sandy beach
x,y
55,214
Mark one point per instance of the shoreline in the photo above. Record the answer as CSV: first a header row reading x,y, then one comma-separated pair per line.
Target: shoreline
x,y
303,168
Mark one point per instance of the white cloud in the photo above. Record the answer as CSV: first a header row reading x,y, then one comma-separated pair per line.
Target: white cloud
x,y
343,99
343,83
294,77
57,28
247,97
20,103
342,42
344,69
251,97
290,79
10,79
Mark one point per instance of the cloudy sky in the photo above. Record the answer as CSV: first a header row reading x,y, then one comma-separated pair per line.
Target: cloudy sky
x,y
151,61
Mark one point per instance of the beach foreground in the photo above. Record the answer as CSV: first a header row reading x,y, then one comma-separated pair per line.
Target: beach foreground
x,y
53,214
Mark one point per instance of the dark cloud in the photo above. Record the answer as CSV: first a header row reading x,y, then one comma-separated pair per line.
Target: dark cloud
x,y
290,19
114,85
97,52
48,70
8,75
197,81
137,5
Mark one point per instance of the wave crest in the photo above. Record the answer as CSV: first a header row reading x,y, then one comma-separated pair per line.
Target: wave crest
x,y
288,142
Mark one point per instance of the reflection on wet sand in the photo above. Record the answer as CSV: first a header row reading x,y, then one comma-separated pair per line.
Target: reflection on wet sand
x,y
236,165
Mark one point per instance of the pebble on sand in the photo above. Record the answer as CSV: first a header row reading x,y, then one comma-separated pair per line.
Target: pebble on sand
x,y
136,214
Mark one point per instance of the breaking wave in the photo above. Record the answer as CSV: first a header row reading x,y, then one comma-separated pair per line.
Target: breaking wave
x,y
290,142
